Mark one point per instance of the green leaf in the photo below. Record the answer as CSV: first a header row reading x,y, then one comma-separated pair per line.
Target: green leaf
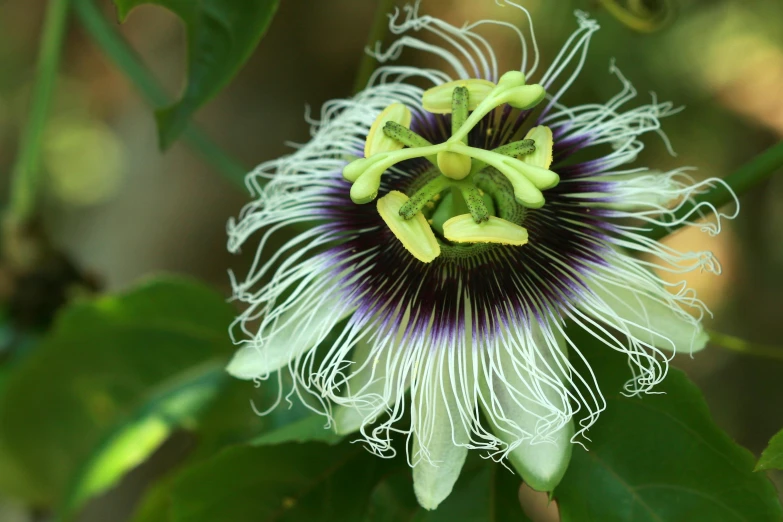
x,y
155,506
309,429
772,456
659,457
133,441
108,384
222,34
288,482
485,492
229,420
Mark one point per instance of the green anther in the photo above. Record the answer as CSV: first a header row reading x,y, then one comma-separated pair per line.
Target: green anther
x,y
514,149
474,199
460,99
423,196
408,138
404,135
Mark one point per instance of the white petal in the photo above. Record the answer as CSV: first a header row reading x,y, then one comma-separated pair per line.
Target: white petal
x,y
371,381
439,431
642,191
541,463
297,330
654,319
375,361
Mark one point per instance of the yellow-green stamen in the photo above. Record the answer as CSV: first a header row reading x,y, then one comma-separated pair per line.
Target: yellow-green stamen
x,y
463,229
475,202
525,164
542,155
459,109
515,149
414,234
427,193
377,141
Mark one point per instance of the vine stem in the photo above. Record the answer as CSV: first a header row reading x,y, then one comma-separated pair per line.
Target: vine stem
x,y
378,30
119,52
26,173
736,344
740,181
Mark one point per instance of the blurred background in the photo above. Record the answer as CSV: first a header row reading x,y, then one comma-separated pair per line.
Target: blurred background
x,y
121,210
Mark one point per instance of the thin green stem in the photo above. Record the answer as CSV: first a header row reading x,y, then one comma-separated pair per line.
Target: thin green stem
x,y
740,181
735,344
26,171
126,60
380,25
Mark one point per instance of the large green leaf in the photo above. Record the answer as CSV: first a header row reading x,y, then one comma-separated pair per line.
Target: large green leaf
x,y
660,458
485,492
309,429
134,440
222,34
107,385
155,506
288,482
772,457
229,421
